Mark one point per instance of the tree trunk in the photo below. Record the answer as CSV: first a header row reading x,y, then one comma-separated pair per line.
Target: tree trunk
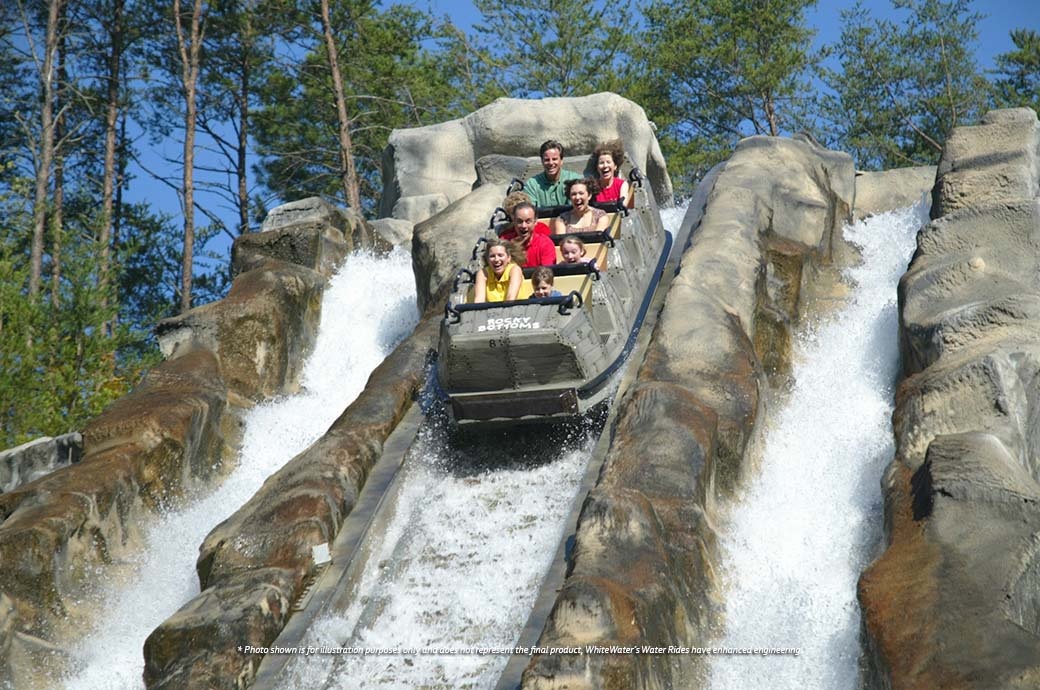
x,y
770,107
241,168
117,210
58,214
57,221
189,55
46,151
348,173
115,59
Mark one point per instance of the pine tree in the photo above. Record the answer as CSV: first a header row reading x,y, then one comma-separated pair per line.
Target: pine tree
x,y
553,47
902,86
388,79
1018,72
719,70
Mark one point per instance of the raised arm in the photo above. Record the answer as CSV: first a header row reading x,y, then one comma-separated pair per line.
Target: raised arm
x,y
627,195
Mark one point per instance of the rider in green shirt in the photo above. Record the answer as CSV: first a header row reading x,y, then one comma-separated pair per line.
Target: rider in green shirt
x,y
546,188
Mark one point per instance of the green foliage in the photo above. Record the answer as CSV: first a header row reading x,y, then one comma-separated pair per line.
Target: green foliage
x,y
1018,72
531,48
718,70
61,366
901,87
391,81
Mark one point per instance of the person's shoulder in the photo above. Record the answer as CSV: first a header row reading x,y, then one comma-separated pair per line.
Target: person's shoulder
x,y
537,182
570,175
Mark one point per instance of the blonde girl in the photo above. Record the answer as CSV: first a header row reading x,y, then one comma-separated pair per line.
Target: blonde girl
x,y
502,276
572,250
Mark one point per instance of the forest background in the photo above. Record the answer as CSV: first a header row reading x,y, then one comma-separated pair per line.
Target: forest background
x,y
110,109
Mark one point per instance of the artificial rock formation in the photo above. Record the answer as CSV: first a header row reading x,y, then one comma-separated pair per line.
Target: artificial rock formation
x,y
887,190
954,601
37,458
254,564
767,237
425,169
168,436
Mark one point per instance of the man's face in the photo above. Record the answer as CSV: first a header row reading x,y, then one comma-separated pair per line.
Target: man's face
x,y
524,221
551,163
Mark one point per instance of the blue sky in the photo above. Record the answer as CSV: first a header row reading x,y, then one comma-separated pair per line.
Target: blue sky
x,y
1000,18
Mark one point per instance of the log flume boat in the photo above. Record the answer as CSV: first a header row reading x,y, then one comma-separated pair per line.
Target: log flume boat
x,y
553,358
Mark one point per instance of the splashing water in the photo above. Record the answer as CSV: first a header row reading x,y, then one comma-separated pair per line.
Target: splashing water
x,y
459,565
810,521
368,307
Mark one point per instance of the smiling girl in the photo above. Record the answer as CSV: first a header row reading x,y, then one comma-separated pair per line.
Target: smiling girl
x,y
581,217
502,276
608,158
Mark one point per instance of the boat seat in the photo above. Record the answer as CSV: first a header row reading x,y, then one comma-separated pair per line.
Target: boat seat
x,y
582,284
613,229
597,251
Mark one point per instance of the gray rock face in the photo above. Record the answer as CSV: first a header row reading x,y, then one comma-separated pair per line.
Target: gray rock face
x,y
766,242
443,243
426,169
253,565
145,450
989,164
888,190
394,231
37,458
260,332
955,599
164,438
315,215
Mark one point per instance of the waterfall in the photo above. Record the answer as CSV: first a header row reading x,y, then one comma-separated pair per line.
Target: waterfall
x,y
368,307
809,522
458,568
459,565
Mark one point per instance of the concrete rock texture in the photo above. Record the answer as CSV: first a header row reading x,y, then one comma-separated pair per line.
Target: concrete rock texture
x,y
169,435
253,565
425,169
766,243
954,601
888,190
38,458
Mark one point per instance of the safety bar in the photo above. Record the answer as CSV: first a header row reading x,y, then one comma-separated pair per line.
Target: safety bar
x,y
588,268
572,300
592,237
458,277
498,216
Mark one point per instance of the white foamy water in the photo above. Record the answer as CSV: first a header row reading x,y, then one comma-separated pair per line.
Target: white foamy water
x,y
809,523
459,566
368,307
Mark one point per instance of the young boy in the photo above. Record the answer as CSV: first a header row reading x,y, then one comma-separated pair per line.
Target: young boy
x,y
542,283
